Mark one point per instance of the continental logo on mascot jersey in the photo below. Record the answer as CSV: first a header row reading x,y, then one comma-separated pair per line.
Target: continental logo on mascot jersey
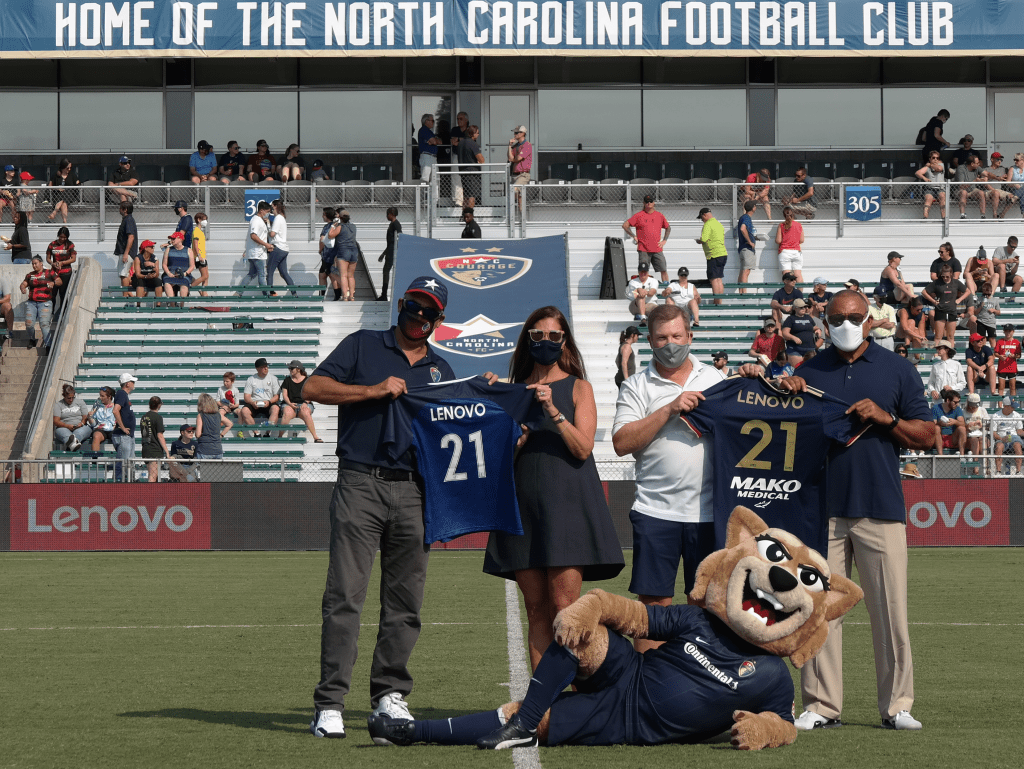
x,y
705,663
488,270
479,337
747,669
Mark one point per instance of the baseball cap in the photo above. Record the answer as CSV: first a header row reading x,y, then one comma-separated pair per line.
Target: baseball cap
x,y
318,163
147,243
894,255
974,398
519,129
643,267
1009,327
295,363
788,276
819,281
648,198
797,303
683,272
431,287
26,176
180,204
124,159
977,338
186,427
342,212
127,377
8,167
204,145
260,362
769,323
1007,401
880,291
996,155
176,236
631,331
852,283
719,355
703,211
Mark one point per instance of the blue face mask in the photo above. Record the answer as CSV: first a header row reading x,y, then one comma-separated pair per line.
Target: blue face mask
x,y
546,352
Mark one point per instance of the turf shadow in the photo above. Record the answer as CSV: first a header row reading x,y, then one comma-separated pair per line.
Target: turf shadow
x,y
274,722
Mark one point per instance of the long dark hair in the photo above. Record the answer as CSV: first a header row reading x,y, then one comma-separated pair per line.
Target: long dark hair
x,y
521,365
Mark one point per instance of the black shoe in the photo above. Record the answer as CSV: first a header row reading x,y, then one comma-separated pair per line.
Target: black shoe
x,y
382,298
387,731
511,735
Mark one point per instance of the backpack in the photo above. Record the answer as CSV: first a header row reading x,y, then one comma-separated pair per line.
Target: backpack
x,y
922,135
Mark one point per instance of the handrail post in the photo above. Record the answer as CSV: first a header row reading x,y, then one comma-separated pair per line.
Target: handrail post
x,y
841,210
510,201
735,192
945,219
312,212
416,210
102,230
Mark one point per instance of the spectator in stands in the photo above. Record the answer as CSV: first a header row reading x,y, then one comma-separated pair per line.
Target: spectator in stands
x,y
202,164
800,333
7,303
962,155
746,242
950,425
767,343
60,255
649,225
63,178
229,397
70,420
967,187
897,291
1016,185
427,142
946,256
328,252
933,138
1007,262
102,415
232,164
184,448
981,364
39,284
347,254
261,166
470,160
947,373
294,165
1008,433
903,352
277,260
208,429
996,173
967,321
520,155
18,244
854,285
642,293
980,269
318,174
260,396
186,225
720,360
178,264
123,176
199,252
151,430
986,312
257,247
123,436
9,183
802,200
1007,352
947,295
780,366
783,298
684,294
819,297
146,271
975,416
293,402
455,135
625,358
472,229
126,245
760,194
388,255
789,237
712,240
913,323
27,196
933,176
883,320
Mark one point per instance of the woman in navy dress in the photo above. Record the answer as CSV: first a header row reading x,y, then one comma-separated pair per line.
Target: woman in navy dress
x,y
568,531
178,264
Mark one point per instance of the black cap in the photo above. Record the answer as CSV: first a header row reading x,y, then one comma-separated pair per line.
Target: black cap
x,y
643,267
204,145
683,272
180,204
1009,327
789,276
632,331
703,211
894,255
648,198
719,355
260,362
318,163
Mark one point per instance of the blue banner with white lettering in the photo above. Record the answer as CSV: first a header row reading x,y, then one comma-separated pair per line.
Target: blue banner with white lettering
x,y
47,29
493,286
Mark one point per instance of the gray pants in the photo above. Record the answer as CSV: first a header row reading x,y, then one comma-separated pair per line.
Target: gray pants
x,y
368,513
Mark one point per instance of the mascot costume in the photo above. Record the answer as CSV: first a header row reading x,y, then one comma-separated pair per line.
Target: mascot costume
x,y
763,597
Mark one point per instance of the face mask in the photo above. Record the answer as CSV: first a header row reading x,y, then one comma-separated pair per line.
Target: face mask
x,y
847,337
546,352
671,355
413,326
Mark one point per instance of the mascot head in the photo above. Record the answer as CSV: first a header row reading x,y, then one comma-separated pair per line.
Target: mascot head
x,y
771,589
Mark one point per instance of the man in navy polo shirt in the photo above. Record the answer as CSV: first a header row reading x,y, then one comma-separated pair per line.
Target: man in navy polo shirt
x,y
866,509
377,502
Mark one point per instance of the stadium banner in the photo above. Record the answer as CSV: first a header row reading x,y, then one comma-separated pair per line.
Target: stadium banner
x,y
47,29
493,286
960,512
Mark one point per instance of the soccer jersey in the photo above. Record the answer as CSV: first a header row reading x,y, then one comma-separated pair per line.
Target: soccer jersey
x,y
770,449
464,434
1007,353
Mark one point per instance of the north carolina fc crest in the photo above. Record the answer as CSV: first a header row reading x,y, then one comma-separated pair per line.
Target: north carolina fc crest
x,y
479,336
487,270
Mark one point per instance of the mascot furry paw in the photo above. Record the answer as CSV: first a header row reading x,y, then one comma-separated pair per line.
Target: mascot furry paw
x,y
763,597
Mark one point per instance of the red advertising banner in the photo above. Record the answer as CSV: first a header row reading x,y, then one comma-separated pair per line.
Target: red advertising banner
x,y
957,513
165,516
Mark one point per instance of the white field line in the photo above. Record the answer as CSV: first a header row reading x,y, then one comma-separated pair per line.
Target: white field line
x,y
519,674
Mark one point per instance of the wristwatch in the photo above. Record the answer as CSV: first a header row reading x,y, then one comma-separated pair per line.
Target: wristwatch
x,y
895,421
558,418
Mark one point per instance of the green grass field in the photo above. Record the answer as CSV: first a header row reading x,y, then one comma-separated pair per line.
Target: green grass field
x,y
209,659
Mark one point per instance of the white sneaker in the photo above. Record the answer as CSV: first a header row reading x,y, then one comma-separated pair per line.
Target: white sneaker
x,y
902,720
327,723
393,705
810,720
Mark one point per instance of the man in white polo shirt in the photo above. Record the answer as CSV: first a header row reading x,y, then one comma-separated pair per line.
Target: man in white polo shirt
x,y
672,515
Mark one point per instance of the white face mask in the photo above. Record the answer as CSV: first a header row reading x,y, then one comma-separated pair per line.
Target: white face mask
x,y
847,337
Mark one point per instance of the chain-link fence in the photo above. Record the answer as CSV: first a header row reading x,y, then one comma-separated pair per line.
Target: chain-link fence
x,y
485,188
139,470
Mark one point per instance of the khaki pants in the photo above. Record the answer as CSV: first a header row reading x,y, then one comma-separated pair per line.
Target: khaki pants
x,y
879,548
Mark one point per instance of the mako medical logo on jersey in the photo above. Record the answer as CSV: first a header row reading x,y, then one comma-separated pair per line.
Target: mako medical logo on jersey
x,y
951,513
118,518
767,490
481,270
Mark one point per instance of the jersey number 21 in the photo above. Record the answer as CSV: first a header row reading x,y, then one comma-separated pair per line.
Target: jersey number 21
x,y
453,440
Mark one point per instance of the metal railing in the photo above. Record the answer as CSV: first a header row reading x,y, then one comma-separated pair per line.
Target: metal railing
x,y
452,187
86,469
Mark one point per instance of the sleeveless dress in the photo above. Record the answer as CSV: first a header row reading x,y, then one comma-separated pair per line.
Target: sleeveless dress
x,y
177,260
566,521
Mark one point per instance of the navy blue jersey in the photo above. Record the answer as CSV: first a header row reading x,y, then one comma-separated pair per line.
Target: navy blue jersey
x,y
770,450
464,434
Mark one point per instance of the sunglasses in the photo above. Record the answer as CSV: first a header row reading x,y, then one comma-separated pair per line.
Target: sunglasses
x,y
856,318
536,335
427,313
902,352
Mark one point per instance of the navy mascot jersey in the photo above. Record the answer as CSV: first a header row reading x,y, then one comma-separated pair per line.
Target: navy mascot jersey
x,y
465,434
770,451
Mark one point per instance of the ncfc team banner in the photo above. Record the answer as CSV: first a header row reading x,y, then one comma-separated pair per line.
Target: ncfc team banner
x,y
46,29
493,286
